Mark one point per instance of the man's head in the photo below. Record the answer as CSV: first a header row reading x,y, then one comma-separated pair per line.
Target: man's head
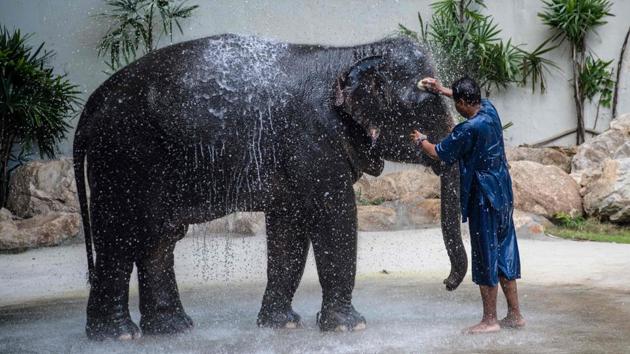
x,y
467,96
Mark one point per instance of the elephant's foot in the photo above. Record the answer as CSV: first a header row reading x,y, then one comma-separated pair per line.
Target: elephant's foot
x,y
121,328
340,318
166,323
279,319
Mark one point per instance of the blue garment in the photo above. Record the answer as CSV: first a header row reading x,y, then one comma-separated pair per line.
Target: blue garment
x,y
485,194
477,144
493,242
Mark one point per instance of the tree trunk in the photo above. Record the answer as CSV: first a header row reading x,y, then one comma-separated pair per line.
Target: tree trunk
x,y
5,154
577,96
619,67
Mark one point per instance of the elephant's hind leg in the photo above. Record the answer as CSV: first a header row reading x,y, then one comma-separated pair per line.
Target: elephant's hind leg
x,y
160,306
287,249
107,312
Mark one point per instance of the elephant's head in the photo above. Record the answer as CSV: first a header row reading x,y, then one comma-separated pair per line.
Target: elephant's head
x,y
380,93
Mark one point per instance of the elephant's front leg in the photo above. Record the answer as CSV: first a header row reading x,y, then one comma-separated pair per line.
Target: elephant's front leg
x,y
161,309
334,241
287,250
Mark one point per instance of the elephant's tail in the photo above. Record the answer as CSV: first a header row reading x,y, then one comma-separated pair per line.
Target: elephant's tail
x,y
79,153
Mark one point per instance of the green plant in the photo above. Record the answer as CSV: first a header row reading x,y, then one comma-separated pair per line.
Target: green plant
x,y
362,201
578,228
567,221
139,24
571,21
35,103
596,79
467,42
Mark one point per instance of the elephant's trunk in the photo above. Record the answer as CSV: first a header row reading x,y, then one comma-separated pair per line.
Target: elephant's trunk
x,y
451,226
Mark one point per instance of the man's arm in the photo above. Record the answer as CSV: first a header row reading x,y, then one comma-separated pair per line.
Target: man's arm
x,y
433,85
424,144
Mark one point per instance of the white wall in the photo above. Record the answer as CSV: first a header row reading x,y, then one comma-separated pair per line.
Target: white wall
x,y
69,28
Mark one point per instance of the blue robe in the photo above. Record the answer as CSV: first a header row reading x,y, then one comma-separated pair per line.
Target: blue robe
x,y
486,198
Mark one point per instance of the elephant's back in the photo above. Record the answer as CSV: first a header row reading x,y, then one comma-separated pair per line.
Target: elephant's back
x,y
197,89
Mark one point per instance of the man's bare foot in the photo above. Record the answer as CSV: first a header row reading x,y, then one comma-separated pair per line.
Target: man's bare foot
x,y
511,321
483,327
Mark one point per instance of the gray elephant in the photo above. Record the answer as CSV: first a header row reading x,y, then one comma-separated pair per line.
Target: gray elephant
x,y
201,129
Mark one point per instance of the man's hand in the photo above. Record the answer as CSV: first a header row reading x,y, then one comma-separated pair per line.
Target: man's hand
x,y
426,146
433,85
417,137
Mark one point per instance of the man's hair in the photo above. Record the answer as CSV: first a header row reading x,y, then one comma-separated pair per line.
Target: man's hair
x,y
466,89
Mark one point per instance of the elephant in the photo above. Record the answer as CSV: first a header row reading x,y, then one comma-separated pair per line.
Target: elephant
x,y
200,129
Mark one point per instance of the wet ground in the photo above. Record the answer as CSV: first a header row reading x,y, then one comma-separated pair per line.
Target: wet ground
x,y
575,296
403,315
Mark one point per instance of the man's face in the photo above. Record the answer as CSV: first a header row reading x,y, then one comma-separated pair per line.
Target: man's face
x,y
465,109
462,108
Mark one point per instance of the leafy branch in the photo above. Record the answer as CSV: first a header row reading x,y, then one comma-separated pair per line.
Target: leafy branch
x,y
467,42
134,26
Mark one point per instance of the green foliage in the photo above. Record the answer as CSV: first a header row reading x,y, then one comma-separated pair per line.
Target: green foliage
x,y
573,19
565,220
578,228
596,78
135,24
35,103
467,42
362,201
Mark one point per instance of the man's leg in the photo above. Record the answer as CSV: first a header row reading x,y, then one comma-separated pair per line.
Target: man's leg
x,y
510,270
489,321
483,241
514,318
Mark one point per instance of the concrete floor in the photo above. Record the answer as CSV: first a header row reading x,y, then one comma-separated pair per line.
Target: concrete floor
x,y
575,296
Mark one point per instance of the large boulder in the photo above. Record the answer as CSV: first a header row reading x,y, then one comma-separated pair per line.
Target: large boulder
x,y
544,190
376,218
559,157
41,187
247,224
41,230
530,226
422,212
420,182
607,191
613,143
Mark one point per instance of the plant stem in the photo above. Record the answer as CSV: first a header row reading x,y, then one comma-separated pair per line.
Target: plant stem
x,y
5,154
577,96
149,47
597,114
619,66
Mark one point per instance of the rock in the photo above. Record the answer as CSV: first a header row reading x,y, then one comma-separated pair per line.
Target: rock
x,y
530,226
423,212
544,156
421,182
607,192
6,215
544,190
376,218
41,230
241,223
40,187
613,143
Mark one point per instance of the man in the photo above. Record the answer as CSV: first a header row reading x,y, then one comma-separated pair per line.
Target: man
x,y
486,198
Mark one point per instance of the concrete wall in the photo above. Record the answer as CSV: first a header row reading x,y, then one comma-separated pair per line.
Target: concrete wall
x,y
69,28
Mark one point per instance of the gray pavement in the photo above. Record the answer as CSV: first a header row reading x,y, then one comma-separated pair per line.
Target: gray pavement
x,y
575,295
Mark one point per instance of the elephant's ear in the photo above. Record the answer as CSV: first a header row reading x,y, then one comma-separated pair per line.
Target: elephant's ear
x,y
359,91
